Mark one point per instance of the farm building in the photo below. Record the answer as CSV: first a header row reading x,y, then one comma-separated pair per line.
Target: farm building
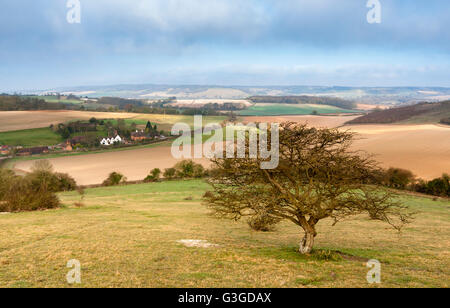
x,y
111,141
32,151
71,143
140,136
5,150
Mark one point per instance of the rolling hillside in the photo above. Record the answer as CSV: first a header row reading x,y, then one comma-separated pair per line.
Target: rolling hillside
x,y
422,113
304,99
133,236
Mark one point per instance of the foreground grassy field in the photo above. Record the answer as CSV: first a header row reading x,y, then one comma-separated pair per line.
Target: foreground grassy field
x,y
128,237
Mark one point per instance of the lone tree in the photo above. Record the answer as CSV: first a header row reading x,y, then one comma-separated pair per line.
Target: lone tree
x,y
318,177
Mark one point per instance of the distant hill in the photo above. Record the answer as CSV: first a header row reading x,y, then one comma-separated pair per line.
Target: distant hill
x,y
386,96
415,114
304,99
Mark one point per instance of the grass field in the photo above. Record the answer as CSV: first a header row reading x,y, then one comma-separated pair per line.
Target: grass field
x,y
289,109
30,137
128,237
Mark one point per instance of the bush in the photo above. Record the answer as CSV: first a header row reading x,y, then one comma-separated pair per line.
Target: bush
x,y
5,177
437,187
42,173
66,182
154,176
189,169
398,178
114,179
170,173
19,194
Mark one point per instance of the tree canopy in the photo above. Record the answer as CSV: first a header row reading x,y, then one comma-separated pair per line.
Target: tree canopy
x,y
318,177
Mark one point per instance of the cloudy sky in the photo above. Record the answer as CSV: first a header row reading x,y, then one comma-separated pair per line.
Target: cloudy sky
x,y
224,42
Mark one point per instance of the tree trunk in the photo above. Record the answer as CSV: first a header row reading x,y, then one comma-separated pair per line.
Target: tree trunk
x,y
307,243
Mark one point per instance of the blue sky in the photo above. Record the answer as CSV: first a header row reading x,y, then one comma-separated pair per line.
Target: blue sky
x,y
224,42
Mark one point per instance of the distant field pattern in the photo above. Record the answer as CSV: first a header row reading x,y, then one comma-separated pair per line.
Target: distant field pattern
x,y
289,109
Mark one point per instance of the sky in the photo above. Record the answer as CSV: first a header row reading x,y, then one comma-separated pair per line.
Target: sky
x,y
224,42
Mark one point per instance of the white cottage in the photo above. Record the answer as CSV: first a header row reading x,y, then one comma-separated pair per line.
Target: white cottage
x,y
111,141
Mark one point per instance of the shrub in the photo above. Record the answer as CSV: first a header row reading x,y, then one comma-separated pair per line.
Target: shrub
x,y
170,173
437,187
154,176
20,194
398,178
5,177
66,182
113,179
189,169
54,182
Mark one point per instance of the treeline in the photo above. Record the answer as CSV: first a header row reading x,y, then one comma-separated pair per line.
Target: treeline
x,y
405,180
304,99
34,191
109,104
17,103
119,102
399,114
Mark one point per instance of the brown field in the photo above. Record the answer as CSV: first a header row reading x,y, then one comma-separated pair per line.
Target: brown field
x,y
423,149
92,169
18,120
317,121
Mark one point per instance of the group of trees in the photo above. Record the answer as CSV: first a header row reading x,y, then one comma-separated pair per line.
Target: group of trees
x,y
405,180
152,130
35,191
67,130
104,104
112,128
18,103
186,169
